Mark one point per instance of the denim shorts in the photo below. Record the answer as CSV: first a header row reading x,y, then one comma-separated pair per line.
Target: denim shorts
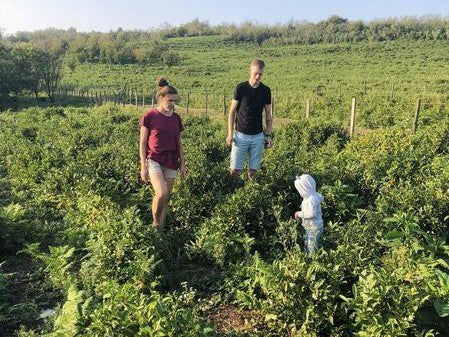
x,y
251,145
155,167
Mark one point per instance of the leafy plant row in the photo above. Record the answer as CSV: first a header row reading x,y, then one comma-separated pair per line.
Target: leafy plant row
x,y
72,203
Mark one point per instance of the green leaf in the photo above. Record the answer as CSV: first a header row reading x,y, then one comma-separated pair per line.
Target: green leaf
x,y
270,317
344,298
443,278
441,308
394,234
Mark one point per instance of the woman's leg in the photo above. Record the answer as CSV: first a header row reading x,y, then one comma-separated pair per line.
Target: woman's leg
x,y
169,183
160,197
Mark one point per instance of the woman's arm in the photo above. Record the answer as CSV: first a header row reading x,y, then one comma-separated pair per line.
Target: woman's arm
x,y
143,153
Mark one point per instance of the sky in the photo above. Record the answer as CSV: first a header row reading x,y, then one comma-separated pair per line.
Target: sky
x,y
106,15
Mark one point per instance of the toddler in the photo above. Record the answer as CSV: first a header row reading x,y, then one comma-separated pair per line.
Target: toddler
x,y
310,212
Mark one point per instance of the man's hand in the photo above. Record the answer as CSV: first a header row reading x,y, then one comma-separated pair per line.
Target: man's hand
x,y
269,142
229,140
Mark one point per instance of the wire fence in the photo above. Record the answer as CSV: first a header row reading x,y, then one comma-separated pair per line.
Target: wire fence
x,y
367,107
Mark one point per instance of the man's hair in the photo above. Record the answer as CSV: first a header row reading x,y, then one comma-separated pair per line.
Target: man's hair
x,y
257,62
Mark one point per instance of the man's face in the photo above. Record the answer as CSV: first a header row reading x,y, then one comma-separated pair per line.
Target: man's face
x,y
255,74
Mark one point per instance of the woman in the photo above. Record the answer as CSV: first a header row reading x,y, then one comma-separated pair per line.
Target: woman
x,y
161,153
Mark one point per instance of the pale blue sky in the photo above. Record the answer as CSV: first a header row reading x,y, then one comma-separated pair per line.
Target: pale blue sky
x,y
104,15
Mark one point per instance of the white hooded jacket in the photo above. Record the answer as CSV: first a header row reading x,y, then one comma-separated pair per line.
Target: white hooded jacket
x,y
311,204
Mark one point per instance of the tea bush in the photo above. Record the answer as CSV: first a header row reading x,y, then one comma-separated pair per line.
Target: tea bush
x,y
71,201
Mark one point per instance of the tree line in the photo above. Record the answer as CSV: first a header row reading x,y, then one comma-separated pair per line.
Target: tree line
x,y
151,46
31,67
114,47
33,60
337,29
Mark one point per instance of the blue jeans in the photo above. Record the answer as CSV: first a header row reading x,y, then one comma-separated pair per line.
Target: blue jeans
x,y
312,236
251,145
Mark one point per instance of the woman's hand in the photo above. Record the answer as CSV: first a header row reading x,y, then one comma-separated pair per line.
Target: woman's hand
x,y
144,173
298,215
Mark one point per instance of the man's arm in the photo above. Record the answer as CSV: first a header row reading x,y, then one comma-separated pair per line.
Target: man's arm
x,y
269,124
268,119
231,120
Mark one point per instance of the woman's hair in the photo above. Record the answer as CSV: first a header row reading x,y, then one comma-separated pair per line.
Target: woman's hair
x,y
164,89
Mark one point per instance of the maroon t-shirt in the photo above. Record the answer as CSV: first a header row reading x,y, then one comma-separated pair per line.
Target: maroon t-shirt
x,y
163,139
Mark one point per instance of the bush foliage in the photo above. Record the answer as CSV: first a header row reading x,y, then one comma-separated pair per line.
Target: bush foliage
x,y
72,202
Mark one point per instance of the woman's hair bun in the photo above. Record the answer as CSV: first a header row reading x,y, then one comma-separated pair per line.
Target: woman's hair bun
x,y
161,82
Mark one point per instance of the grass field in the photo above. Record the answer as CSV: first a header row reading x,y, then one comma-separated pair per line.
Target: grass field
x,y
385,77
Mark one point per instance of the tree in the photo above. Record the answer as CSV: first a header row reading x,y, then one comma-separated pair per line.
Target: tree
x,y
71,62
170,58
8,77
49,59
26,58
50,72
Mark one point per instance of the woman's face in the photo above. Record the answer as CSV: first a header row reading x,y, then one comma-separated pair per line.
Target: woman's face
x,y
168,102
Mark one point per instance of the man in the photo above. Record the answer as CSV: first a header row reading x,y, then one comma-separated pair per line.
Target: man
x,y
250,99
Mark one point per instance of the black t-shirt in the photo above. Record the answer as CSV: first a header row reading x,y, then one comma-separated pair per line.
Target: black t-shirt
x,y
251,104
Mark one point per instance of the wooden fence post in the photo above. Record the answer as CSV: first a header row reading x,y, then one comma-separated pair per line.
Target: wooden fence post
x,y
135,96
415,119
206,101
188,102
352,124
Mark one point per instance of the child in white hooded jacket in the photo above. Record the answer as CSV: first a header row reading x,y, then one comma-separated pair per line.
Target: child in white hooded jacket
x,y
310,212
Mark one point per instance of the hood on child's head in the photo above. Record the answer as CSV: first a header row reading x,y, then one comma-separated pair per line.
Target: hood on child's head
x,y
305,184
